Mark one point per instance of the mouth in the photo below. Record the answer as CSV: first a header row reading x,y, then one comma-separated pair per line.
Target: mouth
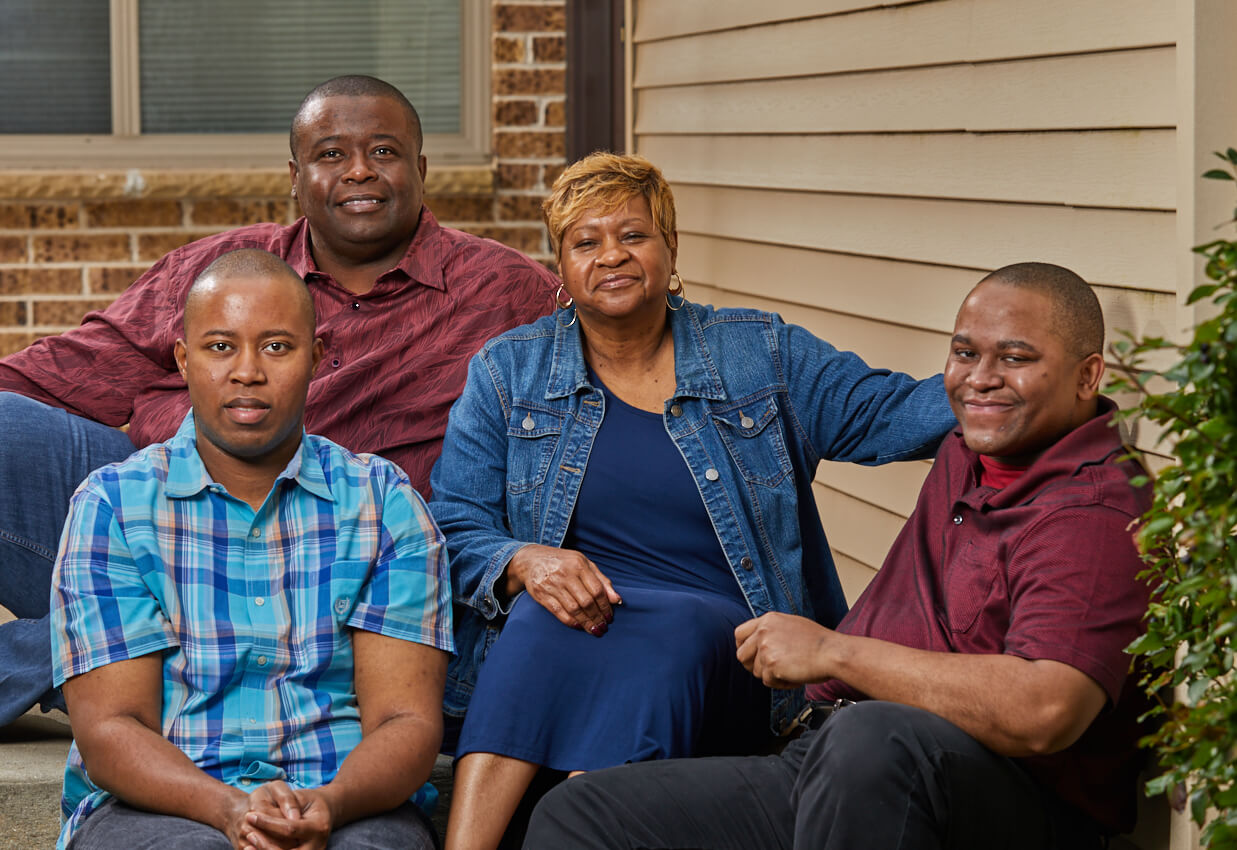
x,y
361,203
614,281
246,411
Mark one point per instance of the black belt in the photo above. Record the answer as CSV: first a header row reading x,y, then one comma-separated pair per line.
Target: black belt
x,y
815,713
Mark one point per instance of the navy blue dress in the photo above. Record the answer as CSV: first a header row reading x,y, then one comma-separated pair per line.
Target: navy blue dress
x,y
663,682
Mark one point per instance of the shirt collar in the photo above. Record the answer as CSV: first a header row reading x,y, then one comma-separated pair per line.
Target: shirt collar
x,y
423,261
695,373
187,475
1090,443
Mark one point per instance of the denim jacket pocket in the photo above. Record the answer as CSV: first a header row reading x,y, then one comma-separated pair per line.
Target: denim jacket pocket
x,y
532,436
753,435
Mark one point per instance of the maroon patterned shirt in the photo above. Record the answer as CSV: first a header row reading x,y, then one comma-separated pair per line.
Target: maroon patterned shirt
x,y
1044,568
396,357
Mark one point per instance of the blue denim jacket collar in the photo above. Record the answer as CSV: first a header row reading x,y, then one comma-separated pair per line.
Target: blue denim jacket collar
x,y
695,373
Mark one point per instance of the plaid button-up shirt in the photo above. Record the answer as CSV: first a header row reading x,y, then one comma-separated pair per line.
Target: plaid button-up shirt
x,y
251,610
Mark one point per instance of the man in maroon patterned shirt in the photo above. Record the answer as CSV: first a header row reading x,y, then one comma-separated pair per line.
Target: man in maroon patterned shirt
x,y
995,703
402,305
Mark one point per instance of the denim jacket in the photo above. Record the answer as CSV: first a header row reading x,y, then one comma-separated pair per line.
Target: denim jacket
x,y
758,403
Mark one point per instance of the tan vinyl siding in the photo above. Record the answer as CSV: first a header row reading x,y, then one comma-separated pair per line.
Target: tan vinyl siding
x,y
858,166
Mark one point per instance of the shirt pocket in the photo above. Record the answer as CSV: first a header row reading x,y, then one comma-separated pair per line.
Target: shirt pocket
x,y
970,585
347,578
532,437
752,434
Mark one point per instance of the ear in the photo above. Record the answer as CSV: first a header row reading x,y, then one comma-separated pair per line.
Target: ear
x,y
318,350
292,171
421,165
178,352
1090,373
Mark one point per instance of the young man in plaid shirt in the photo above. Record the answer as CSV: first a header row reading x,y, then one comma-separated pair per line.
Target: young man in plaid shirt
x,y
250,624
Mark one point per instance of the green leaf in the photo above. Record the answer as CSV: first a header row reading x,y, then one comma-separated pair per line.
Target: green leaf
x,y
1149,642
1217,174
1196,690
1201,292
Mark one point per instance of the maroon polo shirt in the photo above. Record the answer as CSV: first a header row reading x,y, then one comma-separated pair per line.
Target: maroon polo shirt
x,y
1044,568
396,357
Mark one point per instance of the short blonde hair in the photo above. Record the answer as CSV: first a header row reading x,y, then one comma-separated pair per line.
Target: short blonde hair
x,y
601,183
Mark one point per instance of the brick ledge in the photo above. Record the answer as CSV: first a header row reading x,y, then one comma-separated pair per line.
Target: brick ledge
x,y
58,185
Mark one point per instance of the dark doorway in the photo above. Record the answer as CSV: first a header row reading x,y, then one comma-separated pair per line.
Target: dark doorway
x,y
595,80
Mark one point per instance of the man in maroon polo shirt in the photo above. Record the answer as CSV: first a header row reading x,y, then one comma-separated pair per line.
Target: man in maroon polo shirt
x,y
402,305
995,705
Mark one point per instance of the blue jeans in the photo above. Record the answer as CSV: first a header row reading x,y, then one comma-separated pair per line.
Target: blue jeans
x,y
116,826
44,454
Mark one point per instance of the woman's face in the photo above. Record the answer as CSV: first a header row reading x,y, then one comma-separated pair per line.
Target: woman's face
x,y
618,265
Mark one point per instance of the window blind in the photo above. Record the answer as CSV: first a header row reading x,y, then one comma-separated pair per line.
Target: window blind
x,y
242,66
54,67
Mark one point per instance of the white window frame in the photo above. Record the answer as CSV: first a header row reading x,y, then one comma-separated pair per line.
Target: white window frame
x,y
127,147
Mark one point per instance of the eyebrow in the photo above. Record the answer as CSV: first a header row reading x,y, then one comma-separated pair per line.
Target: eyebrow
x,y
230,334
1002,345
325,140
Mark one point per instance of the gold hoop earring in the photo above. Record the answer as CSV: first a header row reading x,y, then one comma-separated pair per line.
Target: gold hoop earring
x,y
563,308
676,293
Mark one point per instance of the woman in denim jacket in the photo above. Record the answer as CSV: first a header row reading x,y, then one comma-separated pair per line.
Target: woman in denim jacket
x,y
624,482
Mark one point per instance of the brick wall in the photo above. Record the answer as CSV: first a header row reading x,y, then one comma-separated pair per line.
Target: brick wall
x,y
70,242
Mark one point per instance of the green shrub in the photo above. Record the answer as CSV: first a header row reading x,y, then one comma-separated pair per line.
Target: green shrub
x,y
1187,539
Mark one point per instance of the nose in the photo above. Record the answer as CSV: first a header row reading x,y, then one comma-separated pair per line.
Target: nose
x,y
247,367
984,374
360,170
613,253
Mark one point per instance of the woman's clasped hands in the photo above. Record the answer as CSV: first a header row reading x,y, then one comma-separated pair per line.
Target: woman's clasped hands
x,y
566,584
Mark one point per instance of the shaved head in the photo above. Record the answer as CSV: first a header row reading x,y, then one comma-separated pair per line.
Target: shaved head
x,y
354,85
1077,317
251,263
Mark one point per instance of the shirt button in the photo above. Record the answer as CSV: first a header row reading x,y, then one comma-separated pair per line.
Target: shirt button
x,y
335,362
245,780
528,424
957,519
261,660
257,532
711,474
253,721
356,305
747,421
259,602
676,410
746,563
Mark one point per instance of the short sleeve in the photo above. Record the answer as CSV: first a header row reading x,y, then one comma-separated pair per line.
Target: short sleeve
x,y
101,610
1074,593
408,592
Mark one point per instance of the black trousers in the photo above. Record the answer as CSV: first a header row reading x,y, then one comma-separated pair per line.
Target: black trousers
x,y
876,776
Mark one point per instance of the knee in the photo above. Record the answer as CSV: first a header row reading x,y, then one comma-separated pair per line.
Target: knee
x,y
573,814
870,743
21,417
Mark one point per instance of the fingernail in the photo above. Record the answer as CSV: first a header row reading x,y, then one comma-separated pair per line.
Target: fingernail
x,y
609,619
597,630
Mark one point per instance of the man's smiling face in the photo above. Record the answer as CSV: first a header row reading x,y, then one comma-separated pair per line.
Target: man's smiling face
x,y
1012,381
359,175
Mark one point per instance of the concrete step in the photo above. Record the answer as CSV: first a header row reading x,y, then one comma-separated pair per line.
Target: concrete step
x,y
32,754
